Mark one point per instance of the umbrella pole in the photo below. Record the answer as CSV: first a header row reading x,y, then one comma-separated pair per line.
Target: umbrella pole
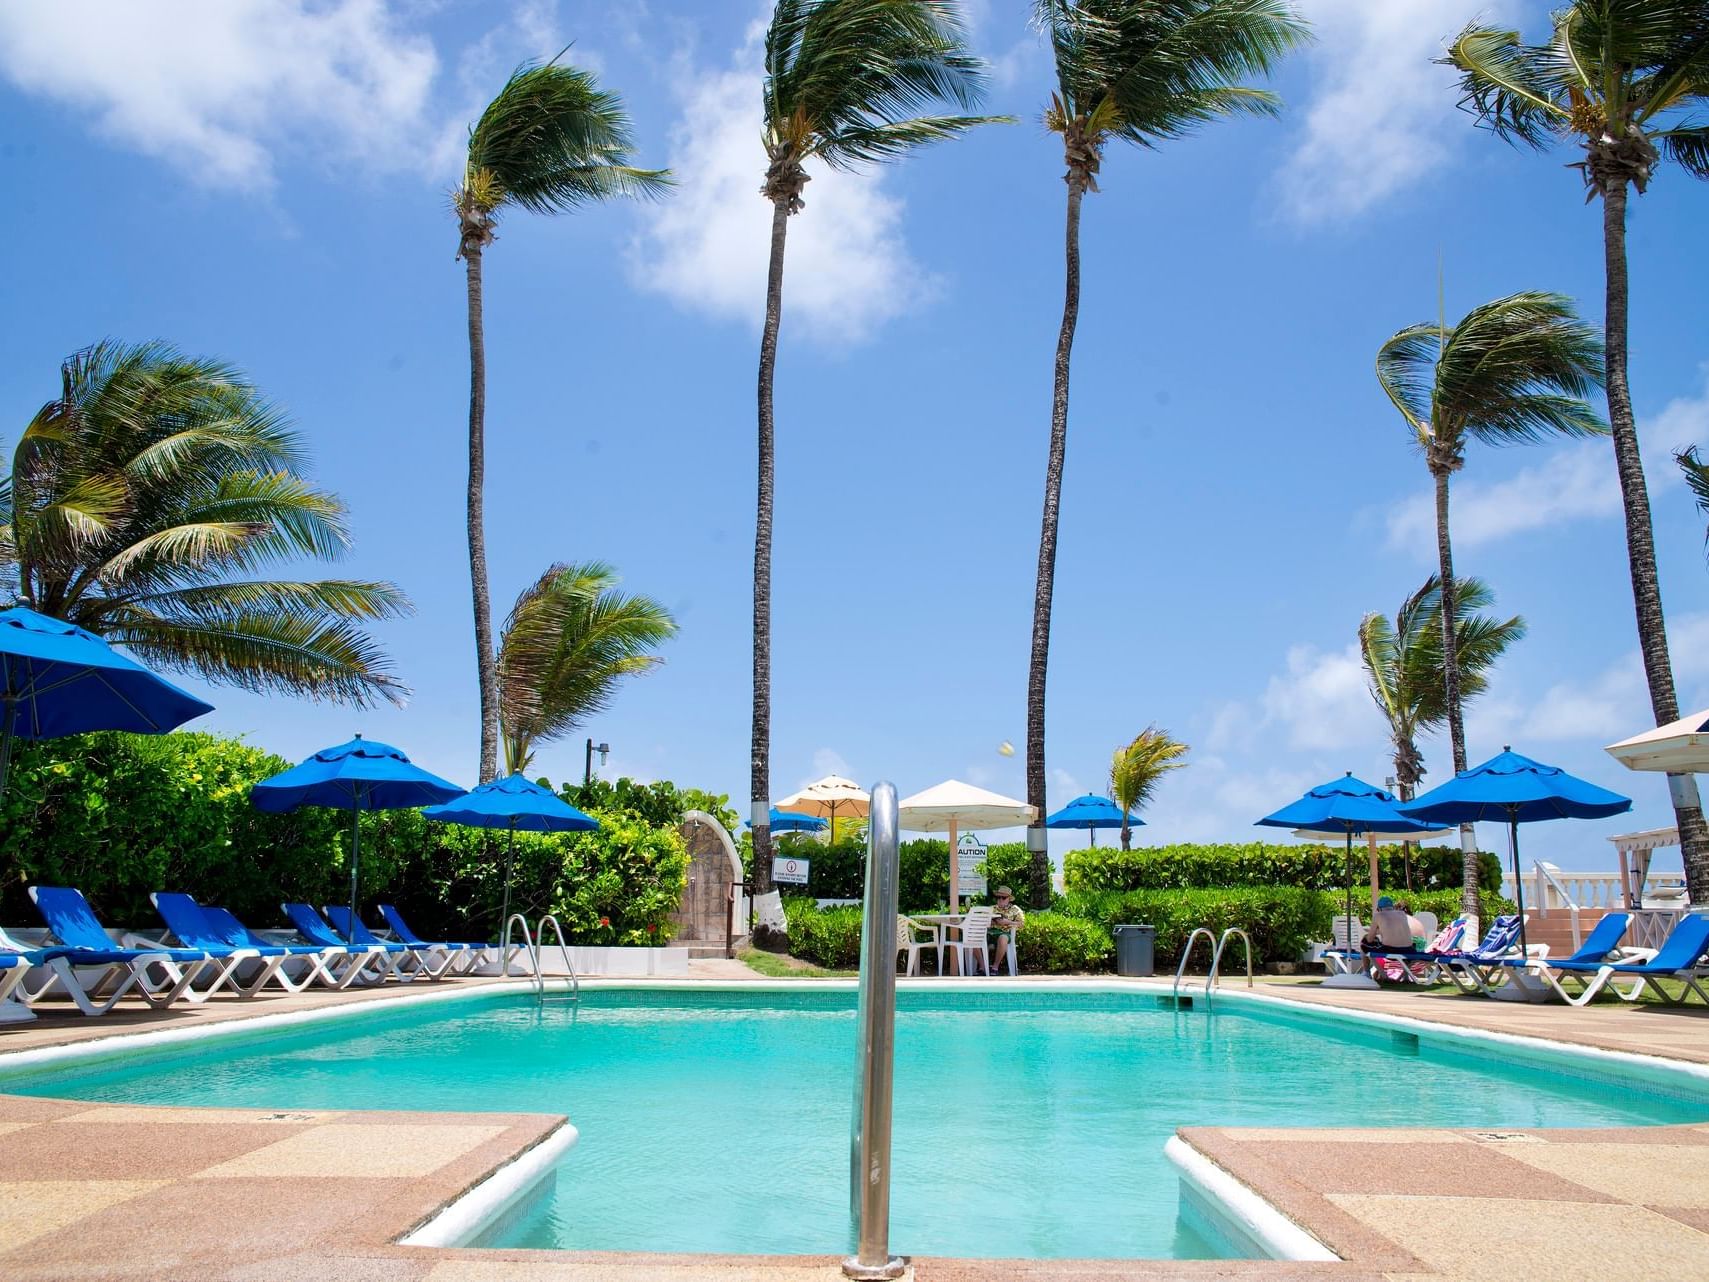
x,y
509,860
1518,881
355,860
1093,833
1349,872
954,869
6,723
1371,842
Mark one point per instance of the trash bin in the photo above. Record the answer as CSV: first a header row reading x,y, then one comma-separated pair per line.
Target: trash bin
x,y
1136,947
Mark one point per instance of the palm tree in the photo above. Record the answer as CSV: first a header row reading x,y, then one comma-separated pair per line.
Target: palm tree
x,y
1513,370
551,142
570,640
842,79
1138,767
145,499
1619,79
1403,664
1144,72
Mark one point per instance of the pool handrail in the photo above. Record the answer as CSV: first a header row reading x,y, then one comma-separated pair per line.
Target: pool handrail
x,y
870,1129
1181,967
1215,977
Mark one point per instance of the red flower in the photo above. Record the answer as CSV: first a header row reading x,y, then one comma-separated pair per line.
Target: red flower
x,y
651,928
605,921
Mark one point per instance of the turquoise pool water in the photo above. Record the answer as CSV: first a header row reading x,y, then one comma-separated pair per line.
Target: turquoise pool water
x,y
1027,1124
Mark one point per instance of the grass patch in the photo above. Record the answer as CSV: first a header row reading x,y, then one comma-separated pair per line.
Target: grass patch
x,y
779,966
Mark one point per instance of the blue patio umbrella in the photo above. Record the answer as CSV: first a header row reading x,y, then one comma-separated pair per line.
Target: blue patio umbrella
x,y
356,776
1514,789
57,679
1346,805
1091,812
517,804
792,821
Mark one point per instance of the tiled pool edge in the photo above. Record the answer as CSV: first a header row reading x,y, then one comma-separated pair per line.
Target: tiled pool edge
x,y
459,1220
1279,1237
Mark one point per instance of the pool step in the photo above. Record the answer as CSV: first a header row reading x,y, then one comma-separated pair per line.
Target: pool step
x,y
698,948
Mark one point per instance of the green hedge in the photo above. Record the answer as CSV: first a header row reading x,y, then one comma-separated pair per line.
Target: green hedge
x,y
839,871
1280,920
119,816
1054,943
1311,867
828,937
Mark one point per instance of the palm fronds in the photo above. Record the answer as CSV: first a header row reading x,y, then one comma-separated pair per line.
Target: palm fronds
x,y
1150,70
551,141
143,497
1138,767
1404,669
1617,74
852,82
1696,473
1513,370
569,641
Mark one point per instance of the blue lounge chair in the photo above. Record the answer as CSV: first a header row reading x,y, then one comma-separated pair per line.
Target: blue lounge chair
x,y
431,960
160,976
330,965
384,956
1473,970
1684,955
1597,950
471,954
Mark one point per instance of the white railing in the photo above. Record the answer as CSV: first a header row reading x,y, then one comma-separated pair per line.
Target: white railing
x,y
1555,890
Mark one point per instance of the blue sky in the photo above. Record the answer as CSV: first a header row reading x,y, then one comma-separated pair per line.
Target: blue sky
x,y
266,182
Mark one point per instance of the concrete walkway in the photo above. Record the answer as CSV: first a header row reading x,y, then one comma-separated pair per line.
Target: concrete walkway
x,y
96,1192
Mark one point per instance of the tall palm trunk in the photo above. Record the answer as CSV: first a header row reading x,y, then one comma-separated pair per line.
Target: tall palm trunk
x,y
485,662
759,790
1127,834
1451,684
1046,585
1640,537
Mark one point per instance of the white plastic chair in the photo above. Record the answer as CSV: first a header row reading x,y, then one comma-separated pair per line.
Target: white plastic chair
x,y
908,932
974,930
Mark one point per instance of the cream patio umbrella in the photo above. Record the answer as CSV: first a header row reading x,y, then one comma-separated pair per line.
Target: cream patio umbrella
x,y
1330,838
832,798
953,806
1680,747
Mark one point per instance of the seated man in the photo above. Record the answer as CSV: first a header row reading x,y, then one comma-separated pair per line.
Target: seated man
x,y
1005,921
1391,928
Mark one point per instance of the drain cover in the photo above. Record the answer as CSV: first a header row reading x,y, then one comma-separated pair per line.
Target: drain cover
x,y
1505,1137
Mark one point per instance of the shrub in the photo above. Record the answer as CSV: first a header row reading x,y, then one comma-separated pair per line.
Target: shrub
x,y
1056,944
122,815
828,937
1279,920
1312,867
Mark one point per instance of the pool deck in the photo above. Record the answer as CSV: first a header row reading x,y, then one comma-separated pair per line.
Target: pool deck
x,y
103,1191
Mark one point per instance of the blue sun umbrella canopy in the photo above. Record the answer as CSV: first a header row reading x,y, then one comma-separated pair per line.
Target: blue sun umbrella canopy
x,y
517,804
1513,789
792,821
1347,805
58,679
1091,812
356,776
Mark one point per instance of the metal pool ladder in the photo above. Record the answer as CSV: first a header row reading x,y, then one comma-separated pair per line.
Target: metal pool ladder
x,y
531,944
1217,945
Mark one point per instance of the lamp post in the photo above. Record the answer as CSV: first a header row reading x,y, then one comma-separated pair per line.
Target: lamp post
x,y
604,751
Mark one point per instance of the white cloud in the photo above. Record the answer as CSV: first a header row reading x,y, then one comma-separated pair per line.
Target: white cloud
x,y
1572,483
1382,116
1321,701
847,269
1602,707
218,87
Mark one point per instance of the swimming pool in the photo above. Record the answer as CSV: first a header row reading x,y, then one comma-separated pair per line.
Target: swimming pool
x,y
1028,1123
